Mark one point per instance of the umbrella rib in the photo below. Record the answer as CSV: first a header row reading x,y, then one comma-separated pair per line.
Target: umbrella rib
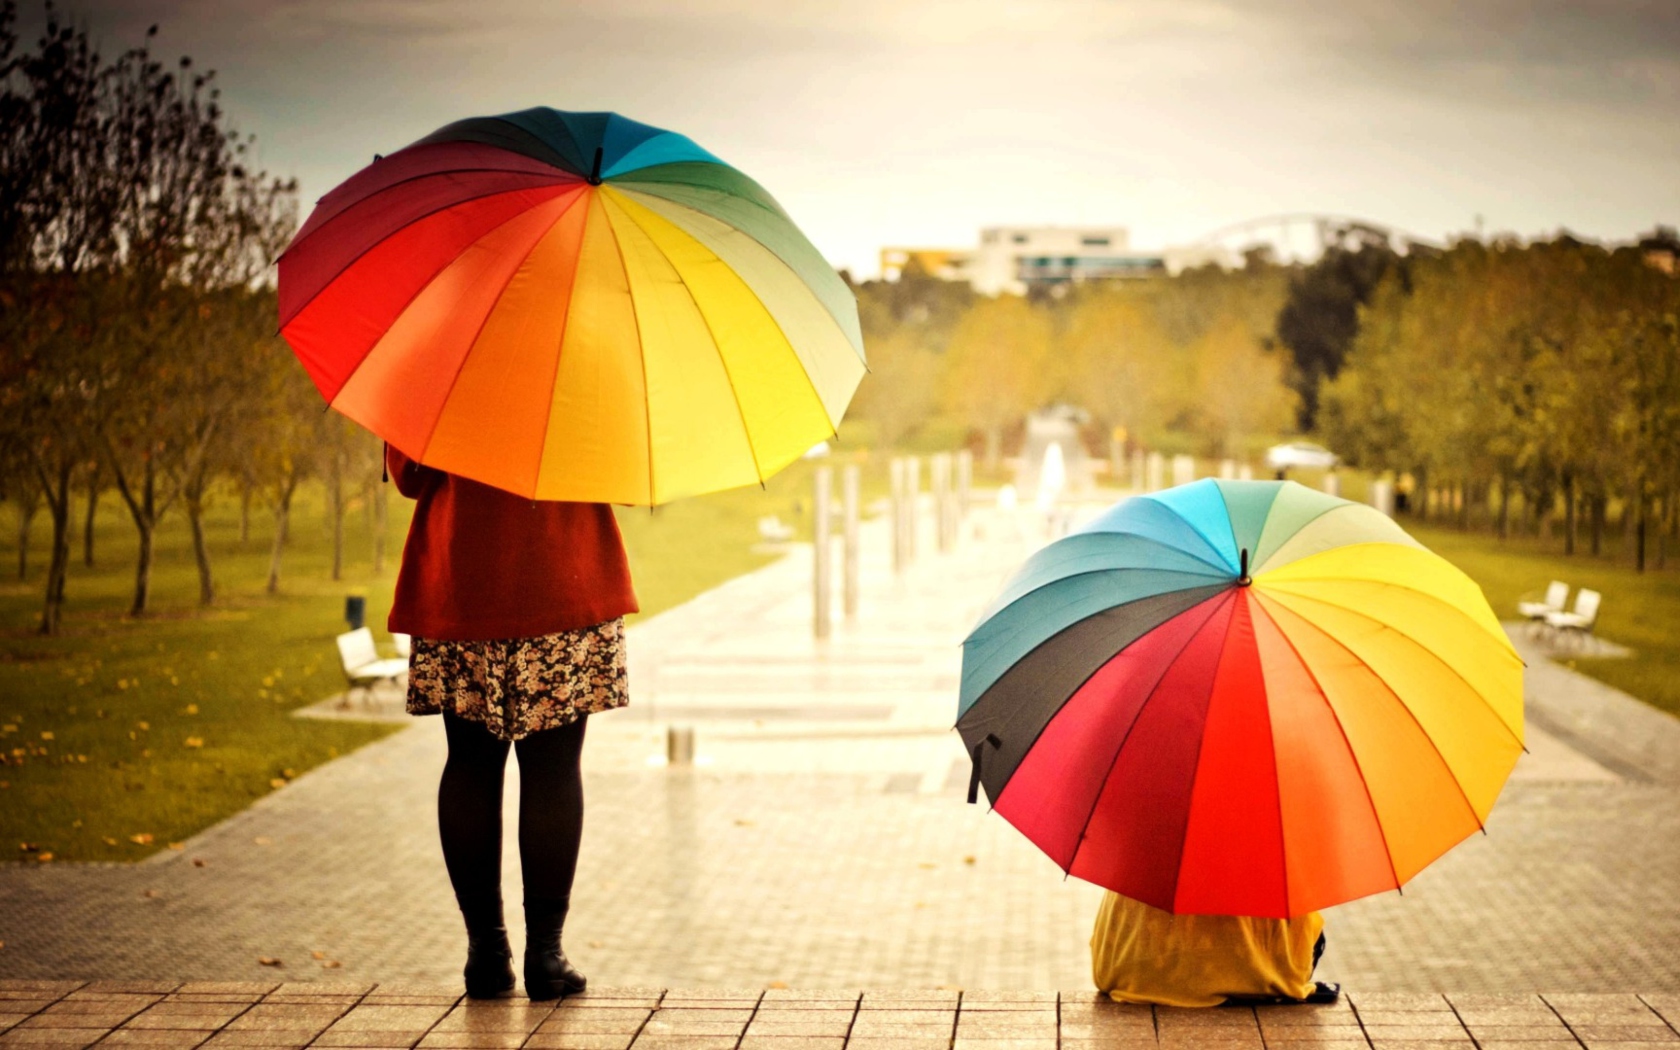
x,y
1424,648
485,320
833,423
1500,637
1451,774
1024,595
746,431
647,414
1257,569
340,272
1205,537
1370,799
1115,761
560,346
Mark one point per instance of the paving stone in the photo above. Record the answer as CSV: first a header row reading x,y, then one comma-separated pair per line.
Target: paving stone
x,y
578,1041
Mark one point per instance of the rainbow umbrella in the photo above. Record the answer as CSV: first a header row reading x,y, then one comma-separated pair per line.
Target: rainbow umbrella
x,y
571,306
1241,698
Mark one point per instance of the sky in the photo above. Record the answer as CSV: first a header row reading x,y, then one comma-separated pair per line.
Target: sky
x,y
904,122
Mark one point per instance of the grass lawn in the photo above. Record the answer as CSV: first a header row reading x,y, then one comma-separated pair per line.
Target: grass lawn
x,y
1641,610
121,736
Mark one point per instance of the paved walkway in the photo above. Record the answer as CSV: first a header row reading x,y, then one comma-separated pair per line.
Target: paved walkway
x,y
163,1015
821,840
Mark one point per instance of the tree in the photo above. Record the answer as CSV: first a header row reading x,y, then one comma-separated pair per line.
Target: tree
x,y
998,367
1319,320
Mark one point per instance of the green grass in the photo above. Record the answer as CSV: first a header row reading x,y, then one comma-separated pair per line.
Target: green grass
x,y
1641,610
153,729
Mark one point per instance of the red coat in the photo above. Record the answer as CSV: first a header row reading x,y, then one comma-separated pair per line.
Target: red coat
x,y
481,563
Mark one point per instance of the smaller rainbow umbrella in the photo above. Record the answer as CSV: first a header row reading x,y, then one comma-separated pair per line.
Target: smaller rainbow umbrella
x,y
572,306
1241,698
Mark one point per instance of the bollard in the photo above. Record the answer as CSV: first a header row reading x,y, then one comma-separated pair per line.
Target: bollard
x,y
1227,470
1137,470
899,560
940,469
1382,496
1333,484
822,551
1183,470
1245,473
912,501
965,482
1155,470
679,746
849,515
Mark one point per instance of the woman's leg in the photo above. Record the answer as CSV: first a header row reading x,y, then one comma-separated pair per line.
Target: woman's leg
x,y
470,827
550,829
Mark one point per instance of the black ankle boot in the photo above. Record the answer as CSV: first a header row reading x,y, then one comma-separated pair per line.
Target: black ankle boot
x,y
489,970
547,973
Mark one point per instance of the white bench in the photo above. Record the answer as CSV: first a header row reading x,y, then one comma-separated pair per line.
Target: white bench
x,y
1557,596
363,668
1579,621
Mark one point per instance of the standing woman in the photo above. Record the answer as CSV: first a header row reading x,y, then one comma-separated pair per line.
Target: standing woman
x,y
517,611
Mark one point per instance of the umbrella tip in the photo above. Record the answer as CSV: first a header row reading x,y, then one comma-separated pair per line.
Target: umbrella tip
x,y
1243,580
595,172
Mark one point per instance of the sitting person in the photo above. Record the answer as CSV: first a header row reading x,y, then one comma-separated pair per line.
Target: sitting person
x,y
1141,954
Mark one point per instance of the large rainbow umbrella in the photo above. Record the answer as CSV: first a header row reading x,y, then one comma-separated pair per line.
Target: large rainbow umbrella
x,y
1241,698
571,306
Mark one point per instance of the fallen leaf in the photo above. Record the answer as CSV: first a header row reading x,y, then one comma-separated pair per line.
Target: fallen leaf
x,y
777,984
190,709
177,845
317,955
969,860
109,841
44,857
46,734
195,741
288,773
742,823
28,847
263,840
143,725
148,893
331,964
597,944
198,862
141,839
269,960
926,866
277,783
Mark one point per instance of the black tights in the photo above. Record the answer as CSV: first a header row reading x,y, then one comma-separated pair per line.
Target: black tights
x,y
550,811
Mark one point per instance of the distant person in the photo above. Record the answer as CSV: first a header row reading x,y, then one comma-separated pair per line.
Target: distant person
x,y
516,607
1141,954
1052,483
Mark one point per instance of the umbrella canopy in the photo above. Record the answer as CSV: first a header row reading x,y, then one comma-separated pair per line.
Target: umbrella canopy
x,y
1241,698
571,306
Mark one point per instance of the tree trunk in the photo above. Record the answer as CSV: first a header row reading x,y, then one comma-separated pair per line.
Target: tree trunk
x,y
282,519
1639,535
1596,506
244,511
380,515
1504,505
27,506
1569,514
57,489
335,506
994,447
201,553
92,509
1461,503
143,511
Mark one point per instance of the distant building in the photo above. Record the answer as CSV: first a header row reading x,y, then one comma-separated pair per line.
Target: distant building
x,y
1018,259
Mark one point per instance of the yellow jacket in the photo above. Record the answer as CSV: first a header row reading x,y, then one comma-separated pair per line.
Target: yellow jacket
x,y
1141,954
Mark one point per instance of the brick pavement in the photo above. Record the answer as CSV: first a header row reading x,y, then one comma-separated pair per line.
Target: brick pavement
x,y
822,841
71,1015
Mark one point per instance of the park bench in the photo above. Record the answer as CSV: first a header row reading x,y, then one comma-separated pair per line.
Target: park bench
x,y
1557,597
363,667
1578,622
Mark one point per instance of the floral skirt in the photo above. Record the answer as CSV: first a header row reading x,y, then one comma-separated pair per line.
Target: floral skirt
x,y
518,686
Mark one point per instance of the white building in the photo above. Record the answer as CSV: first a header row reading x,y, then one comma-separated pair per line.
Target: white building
x,y
1019,258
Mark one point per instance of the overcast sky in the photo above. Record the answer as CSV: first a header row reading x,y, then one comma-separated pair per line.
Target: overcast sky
x,y
907,122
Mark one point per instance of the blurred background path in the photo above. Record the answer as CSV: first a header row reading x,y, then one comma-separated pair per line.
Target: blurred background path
x,y
820,837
